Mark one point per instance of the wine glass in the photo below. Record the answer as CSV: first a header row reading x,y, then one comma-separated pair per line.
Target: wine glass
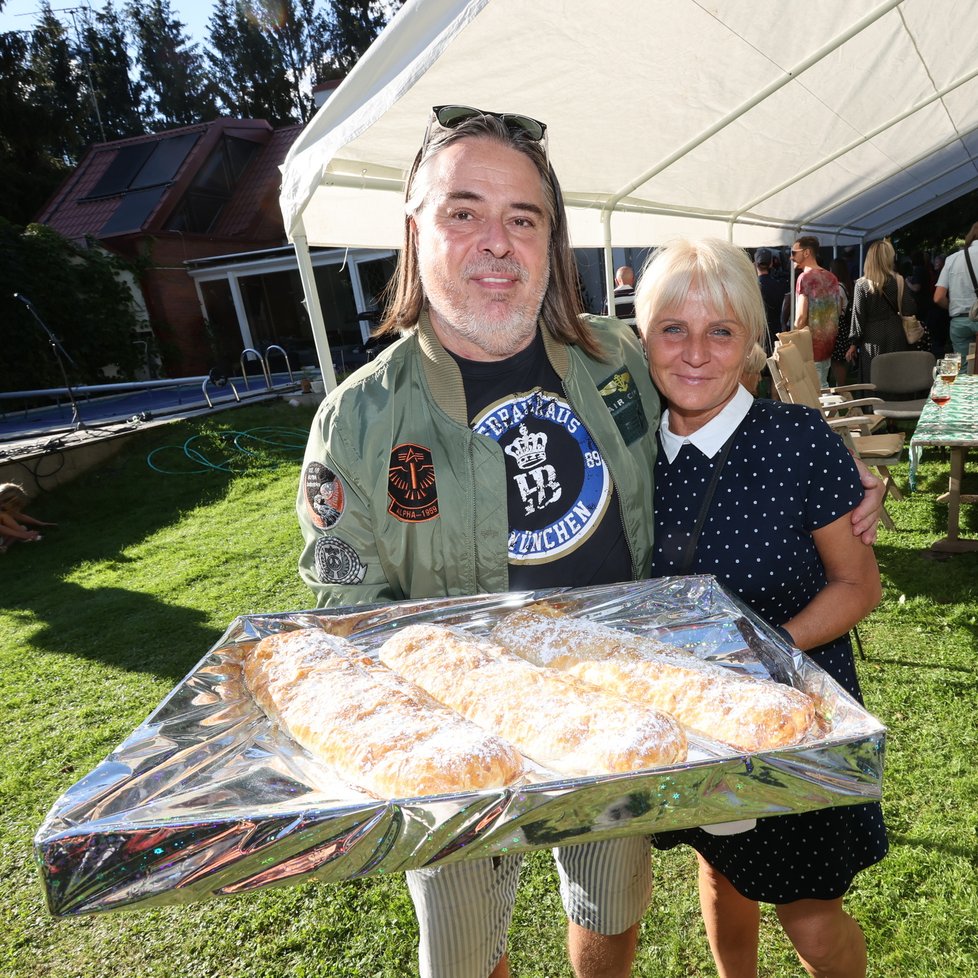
x,y
940,393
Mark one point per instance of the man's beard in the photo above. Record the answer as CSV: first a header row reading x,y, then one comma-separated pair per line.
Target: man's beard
x,y
494,335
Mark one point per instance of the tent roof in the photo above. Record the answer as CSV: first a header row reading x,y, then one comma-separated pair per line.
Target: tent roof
x,y
748,122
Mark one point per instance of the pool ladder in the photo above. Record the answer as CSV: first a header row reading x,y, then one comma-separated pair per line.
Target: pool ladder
x,y
263,360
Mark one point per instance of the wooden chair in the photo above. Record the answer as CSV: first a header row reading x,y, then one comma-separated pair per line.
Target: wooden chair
x,y
801,340
794,384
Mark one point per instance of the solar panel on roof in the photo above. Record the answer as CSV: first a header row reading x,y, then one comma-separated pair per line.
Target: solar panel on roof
x,y
132,211
121,171
167,157
145,165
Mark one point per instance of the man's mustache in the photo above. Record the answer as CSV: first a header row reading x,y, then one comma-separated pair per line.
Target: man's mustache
x,y
497,266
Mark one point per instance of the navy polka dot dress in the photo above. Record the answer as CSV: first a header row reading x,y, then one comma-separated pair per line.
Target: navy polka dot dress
x,y
786,475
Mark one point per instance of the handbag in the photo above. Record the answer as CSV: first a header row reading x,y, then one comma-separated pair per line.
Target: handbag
x,y
913,329
973,311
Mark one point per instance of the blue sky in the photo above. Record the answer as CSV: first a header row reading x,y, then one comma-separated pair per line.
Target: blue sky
x,y
21,15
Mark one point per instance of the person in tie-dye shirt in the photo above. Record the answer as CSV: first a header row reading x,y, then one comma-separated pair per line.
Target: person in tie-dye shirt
x,y
817,306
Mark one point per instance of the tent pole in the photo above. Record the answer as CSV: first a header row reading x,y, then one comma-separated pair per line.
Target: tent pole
x,y
313,308
609,262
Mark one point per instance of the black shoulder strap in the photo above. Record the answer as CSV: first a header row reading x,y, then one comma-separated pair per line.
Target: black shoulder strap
x,y
689,554
896,308
971,270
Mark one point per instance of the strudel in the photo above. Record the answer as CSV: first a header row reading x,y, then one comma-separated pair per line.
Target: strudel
x,y
748,713
567,725
376,730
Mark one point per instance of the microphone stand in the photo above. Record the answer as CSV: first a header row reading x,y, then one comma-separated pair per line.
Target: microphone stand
x,y
59,352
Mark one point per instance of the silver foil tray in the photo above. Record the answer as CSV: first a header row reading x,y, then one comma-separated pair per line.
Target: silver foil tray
x,y
207,797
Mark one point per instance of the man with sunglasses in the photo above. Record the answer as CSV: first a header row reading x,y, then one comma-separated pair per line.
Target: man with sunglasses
x,y
506,442
819,302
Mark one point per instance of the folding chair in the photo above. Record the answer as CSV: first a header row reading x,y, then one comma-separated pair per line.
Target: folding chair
x,y
801,340
795,385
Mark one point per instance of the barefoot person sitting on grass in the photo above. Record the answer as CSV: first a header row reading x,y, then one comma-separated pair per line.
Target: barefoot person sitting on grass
x,y
15,524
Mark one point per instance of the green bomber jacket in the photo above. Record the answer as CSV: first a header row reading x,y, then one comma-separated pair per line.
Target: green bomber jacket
x,y
400,499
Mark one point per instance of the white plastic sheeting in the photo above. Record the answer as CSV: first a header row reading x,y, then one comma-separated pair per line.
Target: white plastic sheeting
x,y
844,118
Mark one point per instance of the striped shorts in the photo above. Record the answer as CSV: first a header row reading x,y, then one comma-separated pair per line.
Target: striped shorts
x,y
464,909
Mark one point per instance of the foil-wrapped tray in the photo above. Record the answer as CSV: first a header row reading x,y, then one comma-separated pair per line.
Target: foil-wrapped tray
x,y
208,798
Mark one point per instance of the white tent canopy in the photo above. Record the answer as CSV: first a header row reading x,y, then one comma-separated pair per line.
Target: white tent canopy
x,y
842,118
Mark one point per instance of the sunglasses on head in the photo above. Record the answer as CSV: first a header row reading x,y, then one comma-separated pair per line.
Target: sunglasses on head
x,y
452,116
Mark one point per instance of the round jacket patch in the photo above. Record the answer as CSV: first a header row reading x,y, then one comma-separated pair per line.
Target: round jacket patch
x,y
324,494
337,562
558,483
411,484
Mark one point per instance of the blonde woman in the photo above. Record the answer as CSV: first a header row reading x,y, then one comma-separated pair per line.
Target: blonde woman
x,y
776,531
876,327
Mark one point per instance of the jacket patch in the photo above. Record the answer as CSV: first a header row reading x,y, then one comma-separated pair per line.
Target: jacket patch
x,y
625,404
337,562
559,486
324,494
411,484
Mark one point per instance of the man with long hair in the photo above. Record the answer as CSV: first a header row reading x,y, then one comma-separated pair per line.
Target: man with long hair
x,y
505,442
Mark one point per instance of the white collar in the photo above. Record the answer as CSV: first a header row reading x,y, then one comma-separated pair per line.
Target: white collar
x,y
713,435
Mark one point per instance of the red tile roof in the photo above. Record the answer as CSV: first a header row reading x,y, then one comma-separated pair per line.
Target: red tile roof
x,y
248,213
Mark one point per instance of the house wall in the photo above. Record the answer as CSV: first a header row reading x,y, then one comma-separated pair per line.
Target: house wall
x,y
171,300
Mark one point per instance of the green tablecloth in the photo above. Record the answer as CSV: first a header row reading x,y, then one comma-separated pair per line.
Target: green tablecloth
x,y
955,424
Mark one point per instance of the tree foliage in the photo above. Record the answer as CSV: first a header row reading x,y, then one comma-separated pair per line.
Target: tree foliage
x,y
80,76
113,93
941,231
31,165
352,27
176,87
79,293
246,62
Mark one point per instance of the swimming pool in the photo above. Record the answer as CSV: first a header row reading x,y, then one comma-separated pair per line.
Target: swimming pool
x,y
30,413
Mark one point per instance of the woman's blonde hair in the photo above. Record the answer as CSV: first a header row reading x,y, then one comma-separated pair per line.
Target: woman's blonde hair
x,y
723,271
756,360
878,265
12,497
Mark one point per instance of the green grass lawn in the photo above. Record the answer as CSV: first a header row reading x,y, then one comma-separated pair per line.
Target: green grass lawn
x,y
101,619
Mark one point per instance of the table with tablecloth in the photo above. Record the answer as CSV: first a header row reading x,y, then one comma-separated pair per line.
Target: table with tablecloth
x,y
953,426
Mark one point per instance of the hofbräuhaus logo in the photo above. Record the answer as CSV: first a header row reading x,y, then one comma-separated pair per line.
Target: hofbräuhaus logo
x,y
559,484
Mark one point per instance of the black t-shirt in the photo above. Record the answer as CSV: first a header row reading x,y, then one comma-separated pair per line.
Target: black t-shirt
x,y
564,515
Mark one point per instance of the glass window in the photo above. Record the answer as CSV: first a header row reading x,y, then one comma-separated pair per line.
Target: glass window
x,y
274,304
221,324
374,278
212,187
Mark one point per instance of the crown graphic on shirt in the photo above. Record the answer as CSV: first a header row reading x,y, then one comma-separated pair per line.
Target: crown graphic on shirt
x,y
529,450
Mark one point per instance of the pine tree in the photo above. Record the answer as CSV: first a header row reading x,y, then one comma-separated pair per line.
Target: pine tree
x,y
353,25
29,172
103,58
176,88
246,63
60,97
